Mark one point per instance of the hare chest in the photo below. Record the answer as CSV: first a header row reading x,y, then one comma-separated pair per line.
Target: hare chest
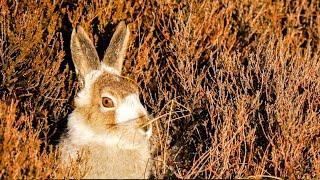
x,y
102,161
111,162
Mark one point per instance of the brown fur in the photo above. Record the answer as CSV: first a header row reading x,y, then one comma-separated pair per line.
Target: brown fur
x,y
119,88
84,55
130,158
114,55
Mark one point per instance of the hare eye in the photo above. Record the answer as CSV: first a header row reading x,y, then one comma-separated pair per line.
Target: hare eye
x,y
107,102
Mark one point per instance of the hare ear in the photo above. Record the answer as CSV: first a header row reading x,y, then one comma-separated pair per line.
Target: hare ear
x,y
84,54
116,51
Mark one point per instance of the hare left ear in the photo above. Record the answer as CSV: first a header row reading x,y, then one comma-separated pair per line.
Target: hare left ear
x,y
84,54
115,53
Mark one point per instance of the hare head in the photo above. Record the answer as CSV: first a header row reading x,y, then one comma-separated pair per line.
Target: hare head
x,y
107,103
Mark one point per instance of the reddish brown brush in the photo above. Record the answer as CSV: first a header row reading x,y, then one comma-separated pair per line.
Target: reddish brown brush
x,y
234,86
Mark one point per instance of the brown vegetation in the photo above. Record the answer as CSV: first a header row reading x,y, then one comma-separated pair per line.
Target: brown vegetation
x,y
234,86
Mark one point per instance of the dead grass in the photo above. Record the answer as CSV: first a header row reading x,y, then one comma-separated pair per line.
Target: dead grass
x,y
234,86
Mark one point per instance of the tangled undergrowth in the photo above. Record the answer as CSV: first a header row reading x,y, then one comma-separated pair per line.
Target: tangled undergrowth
x,y
234,86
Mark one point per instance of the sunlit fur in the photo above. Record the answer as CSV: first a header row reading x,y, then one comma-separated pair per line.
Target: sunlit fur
x,y
117,144
115,140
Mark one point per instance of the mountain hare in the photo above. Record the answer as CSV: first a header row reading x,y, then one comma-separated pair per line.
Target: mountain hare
x,y
108,121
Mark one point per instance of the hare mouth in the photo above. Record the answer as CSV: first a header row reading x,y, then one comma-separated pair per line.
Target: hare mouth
x,y
141,123
147,129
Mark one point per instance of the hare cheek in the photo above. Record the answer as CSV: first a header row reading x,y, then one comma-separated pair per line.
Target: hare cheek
x,y
130,109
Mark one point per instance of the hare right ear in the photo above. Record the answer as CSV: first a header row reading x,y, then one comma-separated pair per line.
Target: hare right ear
x,y
84,54
115,53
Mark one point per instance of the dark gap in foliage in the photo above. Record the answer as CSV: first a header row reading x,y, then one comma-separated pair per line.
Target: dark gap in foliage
x,y
66,31
103,38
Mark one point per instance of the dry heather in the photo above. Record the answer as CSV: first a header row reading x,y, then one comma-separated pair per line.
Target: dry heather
x,y
233,86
